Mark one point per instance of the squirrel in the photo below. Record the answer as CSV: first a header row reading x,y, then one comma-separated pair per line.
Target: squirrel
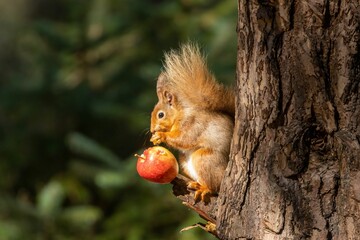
x,y
195,115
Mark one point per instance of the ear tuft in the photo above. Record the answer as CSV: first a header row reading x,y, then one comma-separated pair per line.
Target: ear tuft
x,y
161,85
161,90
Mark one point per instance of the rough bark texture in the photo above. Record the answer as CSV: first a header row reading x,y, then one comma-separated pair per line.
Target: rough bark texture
x,y
295,172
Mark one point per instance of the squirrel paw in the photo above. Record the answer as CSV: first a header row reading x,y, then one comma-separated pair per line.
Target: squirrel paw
x,y
156,138
202,193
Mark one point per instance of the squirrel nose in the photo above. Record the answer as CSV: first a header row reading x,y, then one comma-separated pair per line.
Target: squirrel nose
x,y
152,129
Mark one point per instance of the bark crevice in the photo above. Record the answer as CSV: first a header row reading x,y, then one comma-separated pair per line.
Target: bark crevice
x,y
296,146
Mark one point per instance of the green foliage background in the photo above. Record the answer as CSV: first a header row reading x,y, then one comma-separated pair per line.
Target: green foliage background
x,y
77,85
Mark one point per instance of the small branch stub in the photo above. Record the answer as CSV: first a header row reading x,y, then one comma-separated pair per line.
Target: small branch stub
x,y
206,210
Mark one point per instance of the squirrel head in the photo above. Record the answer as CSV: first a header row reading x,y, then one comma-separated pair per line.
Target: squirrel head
x,y
167,110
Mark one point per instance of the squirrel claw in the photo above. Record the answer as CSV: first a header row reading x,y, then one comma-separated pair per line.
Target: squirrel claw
x,y
202,193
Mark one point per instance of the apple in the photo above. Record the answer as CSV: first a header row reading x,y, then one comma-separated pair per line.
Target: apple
x,y
157,164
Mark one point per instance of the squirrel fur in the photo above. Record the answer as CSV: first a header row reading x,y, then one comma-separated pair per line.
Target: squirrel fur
x,y
194,114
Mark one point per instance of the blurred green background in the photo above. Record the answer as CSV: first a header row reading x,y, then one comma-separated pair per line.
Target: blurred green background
x,y
77,85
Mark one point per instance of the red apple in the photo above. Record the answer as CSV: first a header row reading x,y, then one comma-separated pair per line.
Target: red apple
x,y
157,164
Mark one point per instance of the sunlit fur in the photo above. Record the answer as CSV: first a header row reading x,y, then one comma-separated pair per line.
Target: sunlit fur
x,y
186,69
198,117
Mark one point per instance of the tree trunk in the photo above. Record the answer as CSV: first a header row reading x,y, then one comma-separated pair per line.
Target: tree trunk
x,y
295,163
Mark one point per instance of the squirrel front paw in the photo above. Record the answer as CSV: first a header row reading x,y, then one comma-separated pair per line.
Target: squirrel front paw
x,y
157,138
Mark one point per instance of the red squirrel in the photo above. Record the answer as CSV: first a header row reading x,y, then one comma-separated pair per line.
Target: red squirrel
x,y
195,115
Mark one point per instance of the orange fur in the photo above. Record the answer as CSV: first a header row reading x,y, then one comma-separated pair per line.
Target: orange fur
x,y
194,115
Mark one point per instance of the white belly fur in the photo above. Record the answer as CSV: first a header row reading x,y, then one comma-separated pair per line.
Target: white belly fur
x,y
191,170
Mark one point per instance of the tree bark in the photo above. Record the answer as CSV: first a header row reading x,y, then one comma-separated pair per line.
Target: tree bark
x,y
295,169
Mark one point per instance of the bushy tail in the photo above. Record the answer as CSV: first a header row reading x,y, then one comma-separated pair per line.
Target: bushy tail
x,y
186,72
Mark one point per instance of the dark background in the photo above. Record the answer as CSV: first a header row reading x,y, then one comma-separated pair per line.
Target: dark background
x,y
77,85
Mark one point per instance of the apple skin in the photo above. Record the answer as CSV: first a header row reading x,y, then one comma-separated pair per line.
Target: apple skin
x,y
157,164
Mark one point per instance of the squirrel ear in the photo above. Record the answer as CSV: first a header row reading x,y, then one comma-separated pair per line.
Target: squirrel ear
x,y
160,86
169,98
161,90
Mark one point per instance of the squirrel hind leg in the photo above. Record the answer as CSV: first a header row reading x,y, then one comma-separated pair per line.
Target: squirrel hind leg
x,y
206,168
202,193
210,166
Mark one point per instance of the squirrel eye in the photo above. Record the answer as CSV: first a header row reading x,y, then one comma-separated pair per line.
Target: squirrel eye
x,y
161,114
